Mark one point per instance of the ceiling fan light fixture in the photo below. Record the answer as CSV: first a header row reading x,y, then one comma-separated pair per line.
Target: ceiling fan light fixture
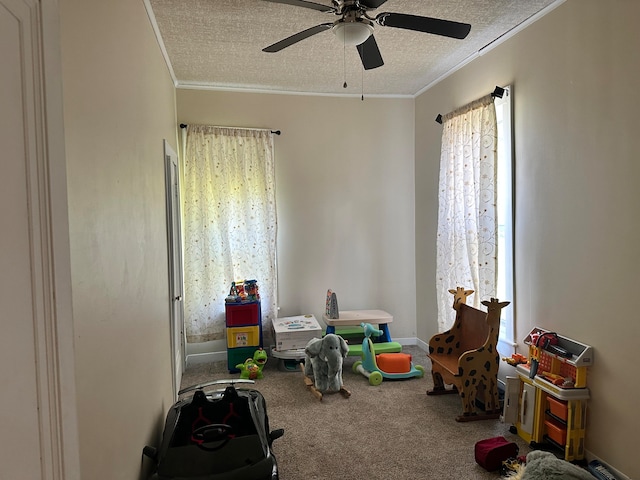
x,y
352,33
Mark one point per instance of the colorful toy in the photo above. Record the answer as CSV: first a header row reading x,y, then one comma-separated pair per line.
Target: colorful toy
x,y
243,291
387,365
240,290
251,369
515,359
251,288
236,293
323,365
332,310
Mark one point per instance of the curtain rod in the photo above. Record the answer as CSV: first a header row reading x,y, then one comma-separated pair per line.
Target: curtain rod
x,y
276,132
497,92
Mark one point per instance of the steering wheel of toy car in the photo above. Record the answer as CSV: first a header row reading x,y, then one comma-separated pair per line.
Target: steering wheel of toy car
x,y
218,434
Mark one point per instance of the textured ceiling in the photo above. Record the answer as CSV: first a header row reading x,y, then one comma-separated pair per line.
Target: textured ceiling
x,y
218,44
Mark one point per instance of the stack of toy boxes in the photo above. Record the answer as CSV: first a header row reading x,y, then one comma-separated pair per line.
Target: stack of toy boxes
x,y
244,332
293,333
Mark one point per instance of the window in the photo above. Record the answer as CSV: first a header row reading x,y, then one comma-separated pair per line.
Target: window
x,y
467,212
229,223
504,289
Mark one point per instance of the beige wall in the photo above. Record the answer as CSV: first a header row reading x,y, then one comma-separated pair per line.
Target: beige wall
x,y
119,105
345,195
575,76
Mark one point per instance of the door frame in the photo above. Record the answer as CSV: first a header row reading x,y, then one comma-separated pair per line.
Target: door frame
x,y
176,282
56,447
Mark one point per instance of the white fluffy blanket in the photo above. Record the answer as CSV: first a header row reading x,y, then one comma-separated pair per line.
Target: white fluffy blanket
x,y
543,465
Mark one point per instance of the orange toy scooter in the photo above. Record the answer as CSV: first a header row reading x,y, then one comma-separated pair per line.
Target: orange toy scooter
x,y
397,365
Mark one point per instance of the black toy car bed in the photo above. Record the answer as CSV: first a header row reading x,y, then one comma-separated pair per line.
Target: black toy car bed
x,y
217,435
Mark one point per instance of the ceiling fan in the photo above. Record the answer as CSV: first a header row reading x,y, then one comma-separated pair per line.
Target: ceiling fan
x,y
355,26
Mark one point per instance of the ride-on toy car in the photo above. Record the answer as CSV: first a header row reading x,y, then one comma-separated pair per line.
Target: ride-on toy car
x,y
217,435
387,365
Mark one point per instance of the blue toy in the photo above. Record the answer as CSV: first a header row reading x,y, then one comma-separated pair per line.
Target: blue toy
x,y
403,367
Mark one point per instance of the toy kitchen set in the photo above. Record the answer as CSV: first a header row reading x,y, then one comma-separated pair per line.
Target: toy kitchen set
x,y
547,401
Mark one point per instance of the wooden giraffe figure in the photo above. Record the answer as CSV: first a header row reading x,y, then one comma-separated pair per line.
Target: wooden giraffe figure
x,y
480,366
447,342
459,297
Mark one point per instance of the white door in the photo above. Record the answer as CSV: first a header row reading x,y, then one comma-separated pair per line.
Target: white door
x,y
174,233
38,438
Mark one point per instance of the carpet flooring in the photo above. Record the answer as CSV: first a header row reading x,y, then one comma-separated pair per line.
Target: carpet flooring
x,y
390,431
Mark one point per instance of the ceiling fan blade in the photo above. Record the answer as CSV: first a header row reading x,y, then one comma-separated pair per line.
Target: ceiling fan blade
x,y
446,28
303,3
372,3
370,54
276,47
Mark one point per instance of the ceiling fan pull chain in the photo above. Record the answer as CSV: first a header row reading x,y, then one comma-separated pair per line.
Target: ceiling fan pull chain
x,y
344,63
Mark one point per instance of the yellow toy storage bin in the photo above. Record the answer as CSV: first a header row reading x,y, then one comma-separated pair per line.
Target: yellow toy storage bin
x,y
247,336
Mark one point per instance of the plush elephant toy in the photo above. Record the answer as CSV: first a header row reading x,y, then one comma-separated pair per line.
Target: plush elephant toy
x,y
323,362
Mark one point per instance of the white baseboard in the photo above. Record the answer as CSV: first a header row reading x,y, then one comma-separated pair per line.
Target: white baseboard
x,y
422,345
406,341
413,341
199,358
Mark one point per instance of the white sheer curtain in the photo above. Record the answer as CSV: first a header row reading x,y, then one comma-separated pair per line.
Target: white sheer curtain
x,y
467,227
229,223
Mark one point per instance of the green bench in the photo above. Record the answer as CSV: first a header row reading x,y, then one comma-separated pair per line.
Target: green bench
x,y
350,333
354,336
